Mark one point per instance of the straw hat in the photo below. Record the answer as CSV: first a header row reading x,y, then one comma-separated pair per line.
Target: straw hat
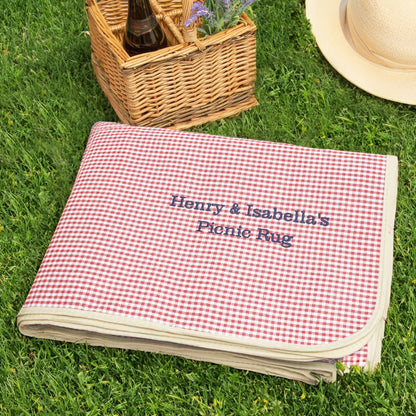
x,y
372,43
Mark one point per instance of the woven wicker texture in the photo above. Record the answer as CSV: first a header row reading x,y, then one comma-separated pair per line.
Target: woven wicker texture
x,y
191,82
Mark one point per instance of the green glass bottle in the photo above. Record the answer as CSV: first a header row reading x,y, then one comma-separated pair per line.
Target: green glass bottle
x,y
143,32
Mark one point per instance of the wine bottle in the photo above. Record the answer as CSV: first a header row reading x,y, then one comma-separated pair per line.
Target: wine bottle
x,y
143,33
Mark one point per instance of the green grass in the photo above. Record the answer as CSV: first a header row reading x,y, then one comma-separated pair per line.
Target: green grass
x,y
49,99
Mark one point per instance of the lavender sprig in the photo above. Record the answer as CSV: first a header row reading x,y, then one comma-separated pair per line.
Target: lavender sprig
x,y
218,15
198,9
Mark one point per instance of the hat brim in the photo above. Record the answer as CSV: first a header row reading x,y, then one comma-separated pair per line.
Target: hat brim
x,y
327,18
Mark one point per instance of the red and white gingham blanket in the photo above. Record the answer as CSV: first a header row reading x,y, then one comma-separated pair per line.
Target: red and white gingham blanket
x,y
225,245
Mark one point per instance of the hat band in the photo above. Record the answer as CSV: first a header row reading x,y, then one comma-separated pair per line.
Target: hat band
x,y
363,49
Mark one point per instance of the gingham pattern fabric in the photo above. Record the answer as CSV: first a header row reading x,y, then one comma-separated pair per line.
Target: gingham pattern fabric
x,y
358,358
147,233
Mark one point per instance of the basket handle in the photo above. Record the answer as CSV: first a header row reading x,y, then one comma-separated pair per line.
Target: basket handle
x,y
162,16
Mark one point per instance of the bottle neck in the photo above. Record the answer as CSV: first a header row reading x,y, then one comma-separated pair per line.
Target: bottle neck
x,y
139,9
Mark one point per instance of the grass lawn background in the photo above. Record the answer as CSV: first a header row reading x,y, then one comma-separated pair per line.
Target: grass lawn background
x,y
49,100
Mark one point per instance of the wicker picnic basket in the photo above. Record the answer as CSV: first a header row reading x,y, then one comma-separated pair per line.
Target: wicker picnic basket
x,y
188,83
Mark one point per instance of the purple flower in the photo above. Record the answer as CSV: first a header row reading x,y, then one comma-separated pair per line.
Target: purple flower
x,y
199,10
247,3
227,4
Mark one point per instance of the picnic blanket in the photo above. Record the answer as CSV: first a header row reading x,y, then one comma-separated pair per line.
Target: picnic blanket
x,y
259,255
